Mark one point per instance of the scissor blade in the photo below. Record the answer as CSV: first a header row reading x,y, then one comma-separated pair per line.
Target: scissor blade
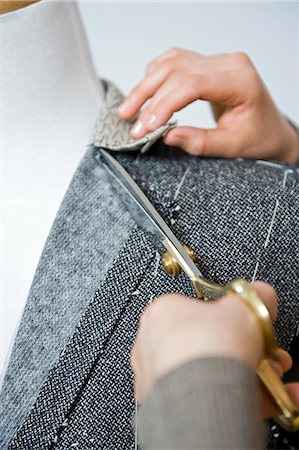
x,y
142,210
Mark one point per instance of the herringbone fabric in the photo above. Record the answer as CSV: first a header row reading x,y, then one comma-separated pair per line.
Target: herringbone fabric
x,y
113,133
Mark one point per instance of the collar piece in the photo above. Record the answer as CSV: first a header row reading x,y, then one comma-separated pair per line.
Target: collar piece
x,y
113,133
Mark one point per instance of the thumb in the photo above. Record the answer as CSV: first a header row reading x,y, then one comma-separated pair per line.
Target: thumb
x,y
212,142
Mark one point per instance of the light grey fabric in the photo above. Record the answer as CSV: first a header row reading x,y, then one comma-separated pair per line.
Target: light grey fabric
x,y
69,379
208,403
297,132
86,236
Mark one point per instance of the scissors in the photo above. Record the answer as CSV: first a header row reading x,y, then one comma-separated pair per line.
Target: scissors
x,y
178,256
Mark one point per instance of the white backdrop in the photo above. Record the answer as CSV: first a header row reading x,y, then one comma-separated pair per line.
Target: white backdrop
x,y
124,37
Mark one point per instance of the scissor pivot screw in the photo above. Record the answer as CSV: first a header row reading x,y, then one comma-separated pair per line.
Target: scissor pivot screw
x,y
171,266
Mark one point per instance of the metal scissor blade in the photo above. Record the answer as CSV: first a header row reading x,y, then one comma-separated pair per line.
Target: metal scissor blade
x,y
143,211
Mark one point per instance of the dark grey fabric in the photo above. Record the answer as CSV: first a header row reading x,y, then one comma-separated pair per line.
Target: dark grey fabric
x,y
240,217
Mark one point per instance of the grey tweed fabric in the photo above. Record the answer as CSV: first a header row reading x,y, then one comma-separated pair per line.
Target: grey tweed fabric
x,y
69,382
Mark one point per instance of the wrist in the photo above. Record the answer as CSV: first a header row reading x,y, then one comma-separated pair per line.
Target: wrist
x,y
291,154
294,142
236,334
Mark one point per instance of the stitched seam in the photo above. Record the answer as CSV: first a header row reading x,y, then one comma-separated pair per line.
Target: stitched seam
x,y
285,176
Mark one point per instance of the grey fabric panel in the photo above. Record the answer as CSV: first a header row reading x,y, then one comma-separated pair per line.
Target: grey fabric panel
x,y
86,236
113,133
240,217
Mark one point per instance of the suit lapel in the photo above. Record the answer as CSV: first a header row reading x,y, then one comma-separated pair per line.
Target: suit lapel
x,y
67,378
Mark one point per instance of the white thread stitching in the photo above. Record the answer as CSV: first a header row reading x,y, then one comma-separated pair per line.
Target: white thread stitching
x,y
284,181
180,184
268,163
271,224
286,173
255,270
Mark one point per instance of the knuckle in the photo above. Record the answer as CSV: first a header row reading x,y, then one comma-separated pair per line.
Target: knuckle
x,y
179,77
174,50
253,80
136,90
169,65
171,52
166,64
242,57
204,146
151,66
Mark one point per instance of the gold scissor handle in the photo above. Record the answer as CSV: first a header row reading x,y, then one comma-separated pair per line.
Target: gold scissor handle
x,y
251,299
289,417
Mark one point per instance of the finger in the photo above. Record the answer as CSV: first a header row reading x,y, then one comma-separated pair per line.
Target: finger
x,y
133,357
156,73
268,295
143,91
284,364
204,142
285,361
179,90
138,390
135,362
269,407
165,56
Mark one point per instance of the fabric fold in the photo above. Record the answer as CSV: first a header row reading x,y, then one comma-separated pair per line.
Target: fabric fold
x,y
87,344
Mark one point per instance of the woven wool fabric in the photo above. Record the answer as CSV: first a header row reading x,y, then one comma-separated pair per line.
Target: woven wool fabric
x,y
69,382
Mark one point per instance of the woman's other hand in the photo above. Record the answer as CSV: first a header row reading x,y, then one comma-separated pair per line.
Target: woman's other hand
x,y
249,124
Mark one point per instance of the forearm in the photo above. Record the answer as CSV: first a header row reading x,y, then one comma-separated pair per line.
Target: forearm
x,y
204,404
295,131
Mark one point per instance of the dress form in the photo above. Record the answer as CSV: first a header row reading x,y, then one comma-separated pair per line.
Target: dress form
x,y
50,98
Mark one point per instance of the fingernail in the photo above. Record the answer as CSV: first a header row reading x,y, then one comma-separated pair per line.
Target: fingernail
x,y
137,128
151,120
123,107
